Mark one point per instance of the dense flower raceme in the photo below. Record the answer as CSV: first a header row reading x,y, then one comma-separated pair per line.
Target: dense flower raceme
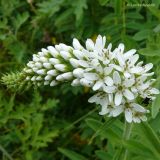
x,y
116,76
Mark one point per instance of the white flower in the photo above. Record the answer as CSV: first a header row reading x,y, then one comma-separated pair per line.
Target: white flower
x,y
134,112
120,81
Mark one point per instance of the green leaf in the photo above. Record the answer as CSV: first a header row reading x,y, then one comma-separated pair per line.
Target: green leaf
x,y
103,129
49,7
151,137
64,18
149,52
155,11
103,2
20,19
141,35
3,23
156,106
138,148
79,6
103,155
71,154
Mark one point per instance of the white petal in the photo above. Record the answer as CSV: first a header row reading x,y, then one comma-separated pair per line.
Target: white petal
x,y
60,67
43,59
127,75
92,99
58,47
129,54
110,98
78,54
148,67
116,77
41,54
89,44
53,83
148,74
65,55
154,91
121,59
60,78
108,80
74,62
48,78
33,78
38,64
52,72
91,76
128,94
78,72
143,86
140,63
35,69
46,83
41,72
143,118
117,111
118,68
104,110
97,85
39,78
118,98
83,63
65,47
107,70
129,82
45,51
75,82
35,58
54,61
109,47
76,44
121,47
53,51
138,107
100,43
136,70
86,82
31,64
47,65
128,115
136,119
134,59
107,61
28,70
109,89
67,75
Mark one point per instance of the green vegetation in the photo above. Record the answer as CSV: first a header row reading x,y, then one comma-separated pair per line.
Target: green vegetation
x,y
57,123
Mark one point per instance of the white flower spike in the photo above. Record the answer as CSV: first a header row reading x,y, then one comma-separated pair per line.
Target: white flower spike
x,y
117,77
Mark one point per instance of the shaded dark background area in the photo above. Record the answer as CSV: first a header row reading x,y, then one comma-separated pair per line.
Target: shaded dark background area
x,y
58,122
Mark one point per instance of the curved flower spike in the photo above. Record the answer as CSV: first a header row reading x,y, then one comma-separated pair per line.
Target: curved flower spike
x,y
117,77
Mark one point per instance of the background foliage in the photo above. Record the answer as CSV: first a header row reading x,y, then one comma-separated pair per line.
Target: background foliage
x,y
58,123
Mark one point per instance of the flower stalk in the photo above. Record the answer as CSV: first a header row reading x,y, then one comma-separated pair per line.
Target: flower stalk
x,y
126,136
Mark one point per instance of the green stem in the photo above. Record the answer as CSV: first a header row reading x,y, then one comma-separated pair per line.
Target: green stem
x,y
124,17
80,119
5,153
126,136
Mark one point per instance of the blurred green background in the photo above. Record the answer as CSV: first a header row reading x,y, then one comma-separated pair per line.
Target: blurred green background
x,y
58,123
